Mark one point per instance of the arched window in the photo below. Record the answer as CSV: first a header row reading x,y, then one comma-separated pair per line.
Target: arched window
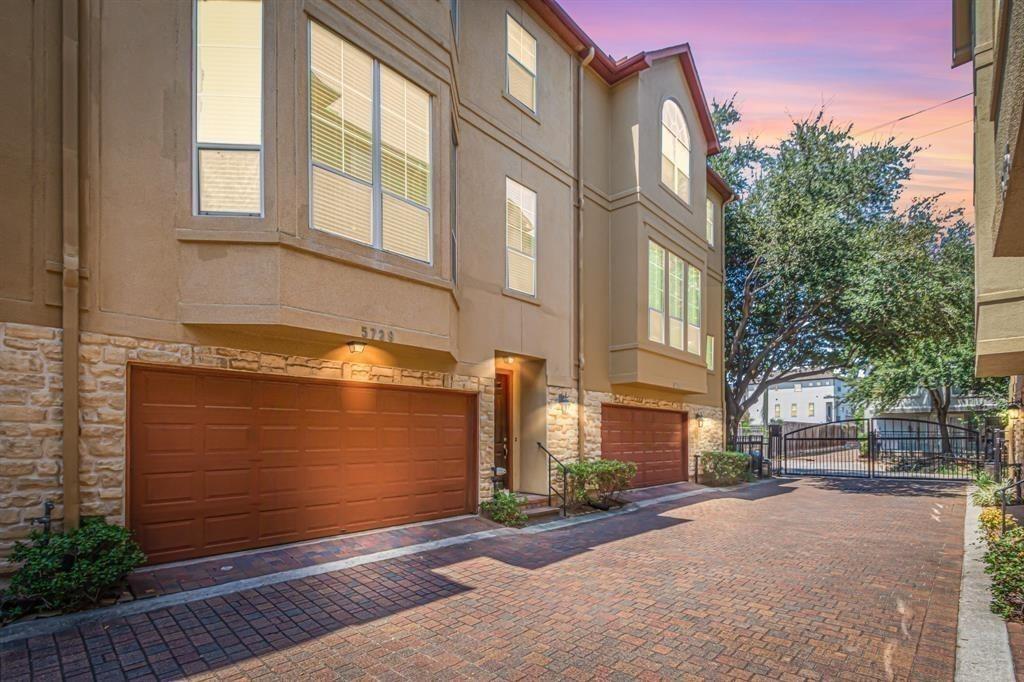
x,y
675,150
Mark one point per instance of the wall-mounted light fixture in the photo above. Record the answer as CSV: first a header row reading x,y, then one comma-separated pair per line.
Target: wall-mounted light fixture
x,y
356,346
1013,410
509,360
700,420
563,403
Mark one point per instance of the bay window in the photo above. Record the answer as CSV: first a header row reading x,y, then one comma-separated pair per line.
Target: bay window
x,y
228,100
673,286
370,169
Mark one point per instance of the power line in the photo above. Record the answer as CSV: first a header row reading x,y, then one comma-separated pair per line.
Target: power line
x,y
904,118
942,130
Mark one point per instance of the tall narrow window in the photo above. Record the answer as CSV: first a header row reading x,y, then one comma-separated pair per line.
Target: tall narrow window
x,y
229,107
778,410
709,352
810,409
520,238
710,222
370,187
675,150
693,309
675,301
521,64
453,198
655,292
792,409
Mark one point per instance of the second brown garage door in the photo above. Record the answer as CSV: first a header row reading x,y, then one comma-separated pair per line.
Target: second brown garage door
x,y
655,440
224,461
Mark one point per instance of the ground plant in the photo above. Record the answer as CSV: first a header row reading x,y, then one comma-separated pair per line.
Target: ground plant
x,y
598,481
986,493
992,522
724,468
1004,562
72,570
504,508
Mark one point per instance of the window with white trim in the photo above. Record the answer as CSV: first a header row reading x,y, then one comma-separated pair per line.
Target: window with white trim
x,y
655,293
710,222
228,144
673,286
520,238
693,295
675,150
520,64
810,409
792,409
709,352
370,148
778,410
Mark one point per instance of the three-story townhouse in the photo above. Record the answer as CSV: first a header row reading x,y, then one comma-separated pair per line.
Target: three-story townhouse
x,y
275,271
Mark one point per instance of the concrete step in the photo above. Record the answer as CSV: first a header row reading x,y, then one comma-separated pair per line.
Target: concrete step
x,y
534,513
530,500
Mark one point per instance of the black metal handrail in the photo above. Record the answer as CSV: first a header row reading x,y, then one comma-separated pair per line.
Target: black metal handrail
x,y
1002,500
552,490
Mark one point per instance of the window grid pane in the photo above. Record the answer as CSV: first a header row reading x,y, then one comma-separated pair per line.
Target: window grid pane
x,y
693,308
655,292
520,238
385,201
709,351
521,64
675,301
675,150
710,225
229,107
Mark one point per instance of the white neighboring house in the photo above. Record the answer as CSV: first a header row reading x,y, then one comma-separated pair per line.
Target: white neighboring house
x,y
814,399
918,405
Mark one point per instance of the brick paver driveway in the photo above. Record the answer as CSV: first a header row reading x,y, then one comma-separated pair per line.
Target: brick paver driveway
x,y
809,579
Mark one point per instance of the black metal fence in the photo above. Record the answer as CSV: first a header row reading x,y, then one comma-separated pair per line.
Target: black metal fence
x,y
753,446
887,448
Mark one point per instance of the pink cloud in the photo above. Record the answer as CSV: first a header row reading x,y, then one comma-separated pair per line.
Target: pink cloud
x,y
867,61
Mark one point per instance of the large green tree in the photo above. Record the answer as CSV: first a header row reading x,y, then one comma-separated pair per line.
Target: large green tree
x,y
933,349
818,258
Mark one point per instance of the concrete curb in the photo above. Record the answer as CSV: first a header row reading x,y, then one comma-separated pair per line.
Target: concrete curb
x,y
47,626
982,645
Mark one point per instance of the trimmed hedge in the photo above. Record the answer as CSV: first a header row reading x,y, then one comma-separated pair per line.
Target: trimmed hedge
x,y
723,467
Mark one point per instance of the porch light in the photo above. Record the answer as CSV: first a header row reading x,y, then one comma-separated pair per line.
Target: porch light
x,y
356,346
563,403
509,360
700,420
1013,411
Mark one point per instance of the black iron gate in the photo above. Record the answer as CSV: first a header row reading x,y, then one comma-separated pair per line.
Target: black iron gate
x,y
884,448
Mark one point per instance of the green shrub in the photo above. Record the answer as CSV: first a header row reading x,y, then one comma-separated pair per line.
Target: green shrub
x,y
1004,561
986,494
992,522
604,477
724,467
71,570
504,508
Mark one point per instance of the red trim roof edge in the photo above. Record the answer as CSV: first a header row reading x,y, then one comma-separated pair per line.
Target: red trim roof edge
x,y
719,183
559,21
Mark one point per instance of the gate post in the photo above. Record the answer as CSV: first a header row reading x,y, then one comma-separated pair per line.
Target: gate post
x,y
775,454
872,448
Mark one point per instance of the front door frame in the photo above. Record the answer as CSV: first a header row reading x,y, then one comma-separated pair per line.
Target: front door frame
x,y
509,383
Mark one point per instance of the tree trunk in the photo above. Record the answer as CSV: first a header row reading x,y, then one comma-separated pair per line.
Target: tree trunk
x,y
940,402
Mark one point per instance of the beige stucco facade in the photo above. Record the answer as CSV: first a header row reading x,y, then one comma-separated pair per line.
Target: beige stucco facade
x,y
96,171
989,34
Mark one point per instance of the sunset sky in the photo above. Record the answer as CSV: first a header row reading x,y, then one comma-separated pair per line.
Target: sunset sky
x,y
867,61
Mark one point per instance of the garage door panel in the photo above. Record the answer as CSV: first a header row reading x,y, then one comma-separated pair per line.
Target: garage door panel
x,y
652,439
221,462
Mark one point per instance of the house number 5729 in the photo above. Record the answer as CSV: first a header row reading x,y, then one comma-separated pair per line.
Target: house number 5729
x,y
378,334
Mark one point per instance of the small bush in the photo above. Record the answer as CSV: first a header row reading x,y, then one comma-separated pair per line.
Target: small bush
x,y
604,477
1004,561
985,495
504,508
71,570
724,467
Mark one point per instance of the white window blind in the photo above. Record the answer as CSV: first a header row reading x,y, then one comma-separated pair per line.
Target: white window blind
x,y
675,301
693,309
368,188
229,106
675,150
520,238
521,64
655,292
710,225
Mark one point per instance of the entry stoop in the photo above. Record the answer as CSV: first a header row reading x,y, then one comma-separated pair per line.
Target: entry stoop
x,y
536,506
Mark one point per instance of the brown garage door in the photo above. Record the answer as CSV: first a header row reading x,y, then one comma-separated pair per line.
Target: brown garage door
x,y
223,461
654,439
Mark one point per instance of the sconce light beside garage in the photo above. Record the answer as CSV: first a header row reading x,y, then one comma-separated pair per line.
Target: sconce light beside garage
x,y
356,346
700,420
1013,410
563,403
509,360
